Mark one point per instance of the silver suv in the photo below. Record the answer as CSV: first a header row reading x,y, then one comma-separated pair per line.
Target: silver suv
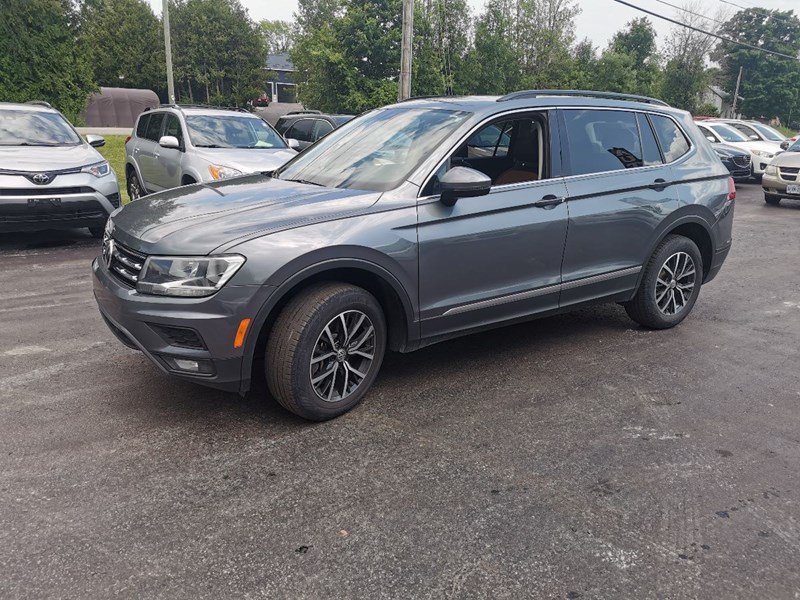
x,y
412,224
180,145
50,178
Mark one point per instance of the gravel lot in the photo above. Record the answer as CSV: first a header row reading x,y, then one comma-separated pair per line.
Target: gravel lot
x,y
574,457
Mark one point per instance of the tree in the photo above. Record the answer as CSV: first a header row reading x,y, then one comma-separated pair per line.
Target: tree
x,y
219,53
495,58
441,42
769,82
278,35
39,58
125,44
638,40
630,64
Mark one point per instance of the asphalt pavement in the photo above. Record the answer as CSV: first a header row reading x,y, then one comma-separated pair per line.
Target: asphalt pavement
x,y
573,457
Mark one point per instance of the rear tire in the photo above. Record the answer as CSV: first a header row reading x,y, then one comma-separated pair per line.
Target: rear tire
x,y
670,286
325,350
772,200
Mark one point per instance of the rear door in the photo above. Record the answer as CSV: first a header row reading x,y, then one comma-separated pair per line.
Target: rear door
x,y
619,190
149,151
495,257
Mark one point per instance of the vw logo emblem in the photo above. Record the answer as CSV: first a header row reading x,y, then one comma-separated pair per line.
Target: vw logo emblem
x,y
41,178
108,252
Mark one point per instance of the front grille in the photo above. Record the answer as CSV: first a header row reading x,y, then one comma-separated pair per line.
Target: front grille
x,y
789,173
52,192
179,336
125,264
741,161
55,217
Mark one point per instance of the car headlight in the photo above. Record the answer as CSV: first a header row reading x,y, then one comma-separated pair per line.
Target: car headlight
x,y
99,170
762,153
190,276
220,172
771,170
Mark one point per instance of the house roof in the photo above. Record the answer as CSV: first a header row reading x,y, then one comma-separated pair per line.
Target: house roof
x,y
279,62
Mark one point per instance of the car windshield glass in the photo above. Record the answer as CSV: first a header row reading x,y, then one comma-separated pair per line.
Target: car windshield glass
x,y
768,132
376,151
728,134
795,147
215,131
19,127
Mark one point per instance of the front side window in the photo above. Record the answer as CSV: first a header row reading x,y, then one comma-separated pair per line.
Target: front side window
x,y
728,133
708,134
377,151
302,131
602,140
154,127
322,129
173,128
20,127
768,132
745,129
232,131
492,140
673,143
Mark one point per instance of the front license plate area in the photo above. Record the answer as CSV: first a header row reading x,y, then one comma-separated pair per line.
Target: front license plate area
x,y
793,189
44,202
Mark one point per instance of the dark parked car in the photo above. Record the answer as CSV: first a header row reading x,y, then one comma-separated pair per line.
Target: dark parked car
x,y
308,127
738,162
392,234
261,101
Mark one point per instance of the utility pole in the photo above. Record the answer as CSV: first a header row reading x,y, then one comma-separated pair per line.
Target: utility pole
x,y
168,49
736,94
406,50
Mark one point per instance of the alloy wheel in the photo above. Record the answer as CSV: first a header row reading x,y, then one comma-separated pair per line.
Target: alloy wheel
x,y
342,356
675,283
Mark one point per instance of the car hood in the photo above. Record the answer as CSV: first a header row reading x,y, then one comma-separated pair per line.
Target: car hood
x,y
787,159
247,160
732,150
771,147
38,159
196,219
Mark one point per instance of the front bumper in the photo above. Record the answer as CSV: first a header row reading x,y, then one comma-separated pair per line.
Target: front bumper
x,y
68,201
206,328
776,186
739,173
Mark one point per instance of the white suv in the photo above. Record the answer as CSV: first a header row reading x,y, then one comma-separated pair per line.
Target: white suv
x,y
721,133
180,145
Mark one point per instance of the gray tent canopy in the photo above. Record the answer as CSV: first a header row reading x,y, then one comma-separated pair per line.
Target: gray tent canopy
x,y
118,107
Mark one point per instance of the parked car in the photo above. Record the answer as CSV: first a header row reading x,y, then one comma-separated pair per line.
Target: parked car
x,y
262,101
173,146
364,243
720,133
789,141
737,161
757,131
782,177
50,177
308,127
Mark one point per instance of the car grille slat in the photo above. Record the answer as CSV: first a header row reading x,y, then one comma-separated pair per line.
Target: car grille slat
x,y
54,192
124,263
789,173
741,161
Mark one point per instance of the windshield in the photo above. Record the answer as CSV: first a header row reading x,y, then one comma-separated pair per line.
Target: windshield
x,y
20,127
207,131
375,152
768,132
794,147
728,133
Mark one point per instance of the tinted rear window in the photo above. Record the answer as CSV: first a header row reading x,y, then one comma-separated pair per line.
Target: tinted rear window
x,y
141,127
153,131
602,140
673,143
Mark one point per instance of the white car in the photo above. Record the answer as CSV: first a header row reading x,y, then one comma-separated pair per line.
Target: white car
x,y
758,132
762,152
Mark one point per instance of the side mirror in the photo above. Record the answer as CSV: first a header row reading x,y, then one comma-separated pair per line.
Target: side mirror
x,y
462,182
96,141
169,141
785,145
711,139
754,137
293,144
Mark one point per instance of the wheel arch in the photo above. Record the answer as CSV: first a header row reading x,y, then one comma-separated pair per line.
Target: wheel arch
x,y
693,225
388,291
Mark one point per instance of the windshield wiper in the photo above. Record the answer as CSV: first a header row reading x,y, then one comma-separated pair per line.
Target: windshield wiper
x,y
210,146
306,181
36,145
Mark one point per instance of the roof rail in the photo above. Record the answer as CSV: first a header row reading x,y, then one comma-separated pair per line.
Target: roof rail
x,y
304,112
580,94
39,103
182,106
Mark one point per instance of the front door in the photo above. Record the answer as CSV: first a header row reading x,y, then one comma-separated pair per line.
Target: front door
x,y
167,170
495,257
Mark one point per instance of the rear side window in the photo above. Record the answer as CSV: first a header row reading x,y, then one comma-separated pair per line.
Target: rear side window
x,y
651,155
602,140
141,127
302,131
673,143
323,129
153,131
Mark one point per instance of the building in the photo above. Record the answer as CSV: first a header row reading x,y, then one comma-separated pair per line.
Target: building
x,y
283,88
721,99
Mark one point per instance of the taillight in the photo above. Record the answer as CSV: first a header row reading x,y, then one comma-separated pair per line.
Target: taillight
x,y
127,139
731,189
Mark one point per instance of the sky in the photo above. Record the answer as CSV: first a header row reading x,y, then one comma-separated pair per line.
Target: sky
x,y
598,20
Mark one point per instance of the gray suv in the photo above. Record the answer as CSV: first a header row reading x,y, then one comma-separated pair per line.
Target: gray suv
x,y
406,227
178,145
50,177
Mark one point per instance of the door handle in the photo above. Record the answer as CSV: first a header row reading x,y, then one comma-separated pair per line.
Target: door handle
x,y
549,201
659,185
156,154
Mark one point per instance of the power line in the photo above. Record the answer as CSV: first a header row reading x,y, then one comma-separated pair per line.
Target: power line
x,y
687,11
779,17
714,35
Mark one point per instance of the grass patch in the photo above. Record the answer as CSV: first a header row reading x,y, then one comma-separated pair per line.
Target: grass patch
x,y
787,132
114,153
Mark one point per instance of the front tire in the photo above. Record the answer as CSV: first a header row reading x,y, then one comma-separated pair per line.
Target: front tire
x,y
772,200
135,189
325,350
670,286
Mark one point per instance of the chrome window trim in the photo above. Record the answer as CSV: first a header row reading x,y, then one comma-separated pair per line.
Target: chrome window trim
x,y
691,152
549,289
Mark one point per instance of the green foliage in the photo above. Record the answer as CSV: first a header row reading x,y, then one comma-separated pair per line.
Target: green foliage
x,y
707,110
769,83
124,41
39,59
278,36
114,153
219,54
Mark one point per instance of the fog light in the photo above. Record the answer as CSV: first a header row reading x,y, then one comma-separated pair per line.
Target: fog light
x,y
187,365
197,366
